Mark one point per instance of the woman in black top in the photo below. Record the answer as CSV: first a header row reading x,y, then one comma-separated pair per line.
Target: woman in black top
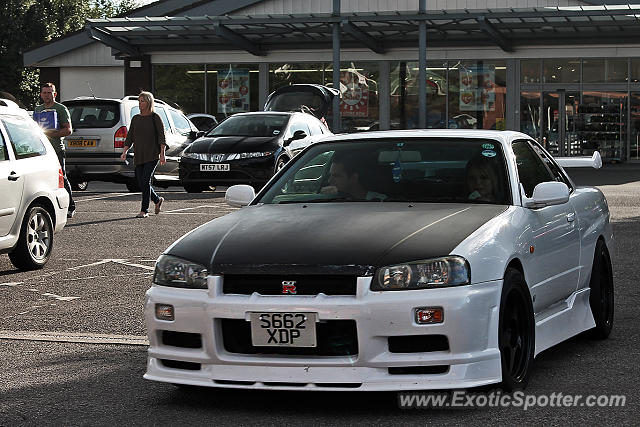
x,y
146,135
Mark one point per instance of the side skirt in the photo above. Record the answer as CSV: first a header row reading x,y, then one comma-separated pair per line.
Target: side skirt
x,y
564,320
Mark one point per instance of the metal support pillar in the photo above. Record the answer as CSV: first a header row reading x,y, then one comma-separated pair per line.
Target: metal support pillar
x,y
422,73
336,68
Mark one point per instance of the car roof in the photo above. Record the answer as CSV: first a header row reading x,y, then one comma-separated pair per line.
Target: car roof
x,y
499,135
9,107
267,113
126,99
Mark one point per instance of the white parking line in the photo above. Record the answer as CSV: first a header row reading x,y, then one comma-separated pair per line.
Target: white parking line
x,y
189,209
110,196
74,337
11,284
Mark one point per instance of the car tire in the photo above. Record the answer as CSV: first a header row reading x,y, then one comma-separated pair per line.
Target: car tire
x,y
35,242
194,188
516,332
132,186
282,161
79,185
601,296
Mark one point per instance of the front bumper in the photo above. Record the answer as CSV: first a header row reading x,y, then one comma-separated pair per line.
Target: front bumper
x,y
248,171
470,325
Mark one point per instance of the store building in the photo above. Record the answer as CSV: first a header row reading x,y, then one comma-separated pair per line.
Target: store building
x,y
566,72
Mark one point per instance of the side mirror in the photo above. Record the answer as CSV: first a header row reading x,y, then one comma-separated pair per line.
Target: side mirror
x,y
195,134
547,194
299,134
239,195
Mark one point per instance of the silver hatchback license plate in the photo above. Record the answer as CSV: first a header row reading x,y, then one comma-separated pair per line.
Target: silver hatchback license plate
x,y
214,167
283,329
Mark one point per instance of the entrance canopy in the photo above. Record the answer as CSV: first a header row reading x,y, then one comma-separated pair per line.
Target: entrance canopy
x,y
258,34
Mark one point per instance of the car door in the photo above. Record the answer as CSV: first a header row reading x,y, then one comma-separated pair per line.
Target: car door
x,y
10,187
553,262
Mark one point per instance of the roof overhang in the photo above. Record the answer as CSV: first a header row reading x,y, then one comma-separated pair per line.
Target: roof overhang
x,y
506,28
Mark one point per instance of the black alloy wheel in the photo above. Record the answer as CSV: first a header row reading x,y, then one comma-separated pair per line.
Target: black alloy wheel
x,y
601,296
516,332
35,242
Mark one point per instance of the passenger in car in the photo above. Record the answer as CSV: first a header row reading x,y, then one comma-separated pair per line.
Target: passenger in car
x,y
346,178
482,180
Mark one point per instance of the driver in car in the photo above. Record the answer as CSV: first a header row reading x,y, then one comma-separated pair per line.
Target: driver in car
x,y
345,179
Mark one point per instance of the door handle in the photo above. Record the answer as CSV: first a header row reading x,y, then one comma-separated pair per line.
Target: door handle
x,y
13,176
571,217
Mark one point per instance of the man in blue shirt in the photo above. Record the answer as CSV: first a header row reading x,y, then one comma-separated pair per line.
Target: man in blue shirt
x,y
56,136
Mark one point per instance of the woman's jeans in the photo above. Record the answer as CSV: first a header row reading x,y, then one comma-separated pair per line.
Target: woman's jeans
x,y
144,175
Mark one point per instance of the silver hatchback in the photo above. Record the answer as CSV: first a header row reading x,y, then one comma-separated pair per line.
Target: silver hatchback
x,y
100,127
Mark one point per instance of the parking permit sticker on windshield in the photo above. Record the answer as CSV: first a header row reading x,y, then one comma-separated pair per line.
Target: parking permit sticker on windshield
x,y
489,153
488,146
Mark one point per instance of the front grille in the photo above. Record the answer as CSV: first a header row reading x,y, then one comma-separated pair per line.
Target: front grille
x,y
334,338
279,284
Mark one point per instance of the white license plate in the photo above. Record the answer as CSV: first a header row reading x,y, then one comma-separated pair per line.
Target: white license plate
x,y
283,329
214,167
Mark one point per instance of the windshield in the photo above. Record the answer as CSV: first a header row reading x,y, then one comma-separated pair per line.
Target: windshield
x,y
444,170
251,125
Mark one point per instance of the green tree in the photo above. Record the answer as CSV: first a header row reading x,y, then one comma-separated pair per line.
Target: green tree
x,y
27,24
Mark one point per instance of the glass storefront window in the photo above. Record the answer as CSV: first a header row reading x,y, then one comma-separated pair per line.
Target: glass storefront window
x,y
294,73
477,94
604,71
359,105
232,88
180,84
634,126
530,71
635,70
603,120
530,114
404,103
561,71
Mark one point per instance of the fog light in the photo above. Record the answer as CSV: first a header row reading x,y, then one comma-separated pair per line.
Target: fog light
x,y
427,315
164,312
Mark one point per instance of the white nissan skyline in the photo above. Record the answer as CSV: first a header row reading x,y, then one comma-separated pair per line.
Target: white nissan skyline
x,y
398,260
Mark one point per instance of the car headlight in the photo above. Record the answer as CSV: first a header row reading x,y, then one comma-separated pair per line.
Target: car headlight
x,y
197,156
431,273
179,273
240,156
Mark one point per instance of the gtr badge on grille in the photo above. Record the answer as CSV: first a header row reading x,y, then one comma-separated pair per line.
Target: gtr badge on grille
x,y
289,287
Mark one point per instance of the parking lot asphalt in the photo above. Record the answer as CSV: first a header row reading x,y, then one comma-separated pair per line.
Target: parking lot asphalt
x,y
62,329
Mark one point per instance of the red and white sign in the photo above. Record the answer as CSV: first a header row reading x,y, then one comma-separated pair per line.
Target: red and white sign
x,y
354,100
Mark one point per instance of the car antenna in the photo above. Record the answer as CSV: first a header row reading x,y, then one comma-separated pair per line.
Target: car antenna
x,y
91,90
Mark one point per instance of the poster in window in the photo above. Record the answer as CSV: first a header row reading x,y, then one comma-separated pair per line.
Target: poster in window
x,y
477,88
233,90
354,100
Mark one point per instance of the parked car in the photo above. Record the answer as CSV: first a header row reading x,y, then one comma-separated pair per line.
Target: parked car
x,y
397,260
100,128
250,147
33,201
203,122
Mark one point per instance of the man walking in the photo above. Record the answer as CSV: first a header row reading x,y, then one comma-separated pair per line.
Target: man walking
x,y
56,136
